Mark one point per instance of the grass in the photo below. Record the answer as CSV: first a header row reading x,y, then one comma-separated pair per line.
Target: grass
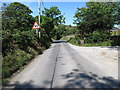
x,y
64,38
106,43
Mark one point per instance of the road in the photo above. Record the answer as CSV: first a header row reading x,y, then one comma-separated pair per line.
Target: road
x,y
61,66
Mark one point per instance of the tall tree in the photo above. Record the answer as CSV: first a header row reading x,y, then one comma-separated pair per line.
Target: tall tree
x,y
17,16
59,31
16,21
99,16
51,17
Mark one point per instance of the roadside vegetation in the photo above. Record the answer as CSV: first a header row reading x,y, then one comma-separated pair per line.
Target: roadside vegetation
x,y
95,22
20,43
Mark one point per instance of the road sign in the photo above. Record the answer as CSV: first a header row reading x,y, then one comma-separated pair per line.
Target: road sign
x,y
36,26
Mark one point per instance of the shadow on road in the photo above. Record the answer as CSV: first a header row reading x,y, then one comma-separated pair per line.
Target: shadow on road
x,y
24,86
75,79
58,41
80,80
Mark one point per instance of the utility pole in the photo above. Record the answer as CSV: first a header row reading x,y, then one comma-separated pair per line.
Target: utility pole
x,y
39,16
39,11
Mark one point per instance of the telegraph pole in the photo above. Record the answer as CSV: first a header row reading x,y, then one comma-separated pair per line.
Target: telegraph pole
x,y
39,16
39,11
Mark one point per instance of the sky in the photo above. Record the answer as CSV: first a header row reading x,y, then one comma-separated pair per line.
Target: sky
x,y
48,0
68,9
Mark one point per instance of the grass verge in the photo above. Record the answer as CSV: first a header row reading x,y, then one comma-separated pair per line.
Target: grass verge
x,y
106,43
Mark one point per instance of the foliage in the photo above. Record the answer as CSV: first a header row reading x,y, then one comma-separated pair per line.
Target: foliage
x,y
59,31
96,20
115,40
11,41
18,59
70,30
51,17
99,16
20,43
96,37
16,16
18,50
105,43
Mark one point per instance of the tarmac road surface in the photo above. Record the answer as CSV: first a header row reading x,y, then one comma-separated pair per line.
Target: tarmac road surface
x,y
61,66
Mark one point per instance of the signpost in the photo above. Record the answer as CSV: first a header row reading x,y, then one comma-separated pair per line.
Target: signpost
x,y
39,15
36,25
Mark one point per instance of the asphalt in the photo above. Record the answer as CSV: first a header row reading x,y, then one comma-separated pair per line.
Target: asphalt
x,y
61,66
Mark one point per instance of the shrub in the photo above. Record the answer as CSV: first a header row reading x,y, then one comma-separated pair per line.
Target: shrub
x,y
97,37
18,49
13,61
115,40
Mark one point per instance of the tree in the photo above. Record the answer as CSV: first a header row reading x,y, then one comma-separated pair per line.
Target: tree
x,y
17,16
16,25
100,16
59,31
51,17
70,30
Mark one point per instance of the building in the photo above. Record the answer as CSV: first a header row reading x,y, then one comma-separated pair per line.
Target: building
x,y
115,31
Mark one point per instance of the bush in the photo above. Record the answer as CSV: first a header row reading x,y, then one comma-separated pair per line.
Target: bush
x,y
115,40
97,37
94,39
19,48
13,61
72,40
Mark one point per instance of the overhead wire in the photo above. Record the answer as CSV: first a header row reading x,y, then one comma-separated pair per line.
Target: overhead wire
x,y
43,4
